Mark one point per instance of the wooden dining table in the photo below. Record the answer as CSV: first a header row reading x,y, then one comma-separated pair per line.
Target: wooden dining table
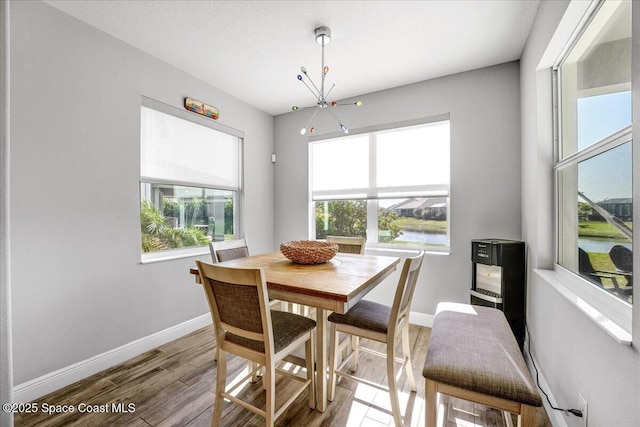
x,y
336,285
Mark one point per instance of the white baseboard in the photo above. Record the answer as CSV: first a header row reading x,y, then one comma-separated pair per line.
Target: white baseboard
x,y
556,418
421,319
41,386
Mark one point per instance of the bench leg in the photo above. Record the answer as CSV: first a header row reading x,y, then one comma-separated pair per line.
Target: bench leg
x,y
508,421
431,403
527,416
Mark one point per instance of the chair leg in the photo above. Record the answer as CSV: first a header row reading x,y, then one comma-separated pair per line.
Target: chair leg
x,y
221,384
310,349
407,357
355,342
431,403
393,388
270,380
251,366
333,357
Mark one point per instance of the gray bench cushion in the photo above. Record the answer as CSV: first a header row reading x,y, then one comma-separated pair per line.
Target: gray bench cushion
x,y
473,348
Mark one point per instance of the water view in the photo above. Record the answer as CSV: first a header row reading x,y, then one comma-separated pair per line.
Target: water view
x,y
424,237
600,245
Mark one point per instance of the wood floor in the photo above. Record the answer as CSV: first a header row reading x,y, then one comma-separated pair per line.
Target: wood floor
x,y
174,385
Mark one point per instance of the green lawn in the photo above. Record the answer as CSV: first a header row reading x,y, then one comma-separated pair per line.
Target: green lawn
x,y
600,229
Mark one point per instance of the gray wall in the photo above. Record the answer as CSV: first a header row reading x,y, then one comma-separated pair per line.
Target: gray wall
x,y
485,168
573,354
78,286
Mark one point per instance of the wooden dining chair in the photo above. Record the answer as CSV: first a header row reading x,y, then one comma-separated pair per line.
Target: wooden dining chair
x,y
228,250
380,323
351,245
234,249
254,332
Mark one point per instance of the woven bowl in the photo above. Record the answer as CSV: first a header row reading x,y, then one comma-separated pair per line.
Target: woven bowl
x,y
308,251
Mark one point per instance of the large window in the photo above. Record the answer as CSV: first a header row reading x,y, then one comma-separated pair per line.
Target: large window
x,y
391,186
190,179
594,167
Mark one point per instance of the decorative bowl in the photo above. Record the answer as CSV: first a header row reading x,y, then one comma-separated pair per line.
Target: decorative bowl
x,y
308,251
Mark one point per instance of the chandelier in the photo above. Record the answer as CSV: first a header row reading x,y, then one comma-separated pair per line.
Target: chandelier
x,y
323,37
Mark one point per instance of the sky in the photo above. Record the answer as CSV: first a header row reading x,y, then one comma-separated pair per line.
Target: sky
x,y
608,175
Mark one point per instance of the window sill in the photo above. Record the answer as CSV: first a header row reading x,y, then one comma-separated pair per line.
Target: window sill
x,y
558,280
400,252
168,255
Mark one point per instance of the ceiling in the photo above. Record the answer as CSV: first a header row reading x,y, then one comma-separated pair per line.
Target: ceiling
x,y
254,49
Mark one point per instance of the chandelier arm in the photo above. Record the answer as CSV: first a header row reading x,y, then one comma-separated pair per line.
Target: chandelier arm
x,y
334,116
316,94
305,108
332,86
312,117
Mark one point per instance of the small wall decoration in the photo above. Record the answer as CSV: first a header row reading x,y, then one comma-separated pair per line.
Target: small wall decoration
x,y
201,108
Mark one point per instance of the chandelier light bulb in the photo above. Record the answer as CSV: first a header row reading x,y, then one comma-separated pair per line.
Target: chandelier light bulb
x,y
359,103
303,131
294,108
303,70
325,69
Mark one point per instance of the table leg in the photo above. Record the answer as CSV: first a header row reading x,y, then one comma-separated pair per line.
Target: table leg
x,y
321,358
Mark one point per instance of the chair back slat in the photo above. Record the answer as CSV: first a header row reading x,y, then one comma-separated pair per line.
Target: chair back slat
x,y
234,253
228,250
406,286
349,245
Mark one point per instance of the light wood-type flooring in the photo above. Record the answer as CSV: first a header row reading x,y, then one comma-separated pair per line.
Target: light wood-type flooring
x,y
173,385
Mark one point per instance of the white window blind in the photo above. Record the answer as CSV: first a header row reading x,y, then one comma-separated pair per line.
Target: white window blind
x,y
398,163
180,151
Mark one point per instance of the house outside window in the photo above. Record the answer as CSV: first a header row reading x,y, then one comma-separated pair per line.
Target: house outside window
x,y
390,185
594,196
190,181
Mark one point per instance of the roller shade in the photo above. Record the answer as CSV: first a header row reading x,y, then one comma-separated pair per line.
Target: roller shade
x,y
177,150
404,162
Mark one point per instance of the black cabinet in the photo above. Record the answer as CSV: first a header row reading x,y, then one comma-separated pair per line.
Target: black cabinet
x,y
498,280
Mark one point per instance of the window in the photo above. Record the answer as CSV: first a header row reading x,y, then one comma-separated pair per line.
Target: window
x,y
190,170
390,185
594,167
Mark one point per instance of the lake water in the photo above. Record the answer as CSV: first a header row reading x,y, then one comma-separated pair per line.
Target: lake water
x,y
423,237
589,245
603,246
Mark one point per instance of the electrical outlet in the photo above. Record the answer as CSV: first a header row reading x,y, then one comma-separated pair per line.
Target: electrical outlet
x,y
582,405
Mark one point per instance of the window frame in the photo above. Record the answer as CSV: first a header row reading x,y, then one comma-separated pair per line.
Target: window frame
x,y
170,254
436,190
612,313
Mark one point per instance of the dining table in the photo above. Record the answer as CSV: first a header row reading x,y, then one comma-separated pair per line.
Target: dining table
x,y
336,285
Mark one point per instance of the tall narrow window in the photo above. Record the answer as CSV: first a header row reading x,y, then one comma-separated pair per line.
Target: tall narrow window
x,y
190,179
594,168
391,186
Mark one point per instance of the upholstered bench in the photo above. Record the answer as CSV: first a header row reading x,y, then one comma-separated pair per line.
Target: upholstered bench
x,y
473,355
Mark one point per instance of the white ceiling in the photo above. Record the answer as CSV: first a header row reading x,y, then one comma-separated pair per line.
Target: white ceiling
x,y
254,49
